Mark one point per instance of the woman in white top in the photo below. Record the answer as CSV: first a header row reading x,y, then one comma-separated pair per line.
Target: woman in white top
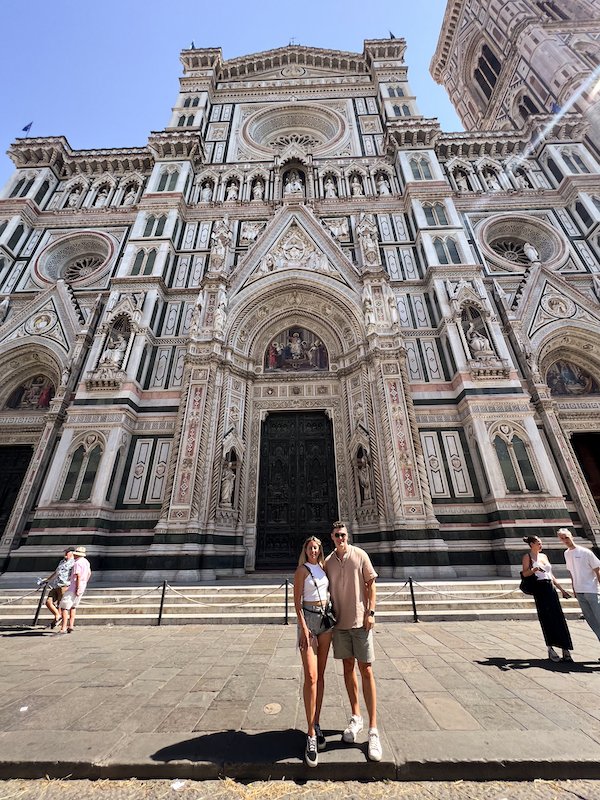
x,y
311,594
549,610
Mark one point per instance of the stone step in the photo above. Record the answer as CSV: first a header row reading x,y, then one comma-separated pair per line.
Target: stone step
x,y
265,604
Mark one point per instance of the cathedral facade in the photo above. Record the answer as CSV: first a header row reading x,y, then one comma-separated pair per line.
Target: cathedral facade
x,y
304,301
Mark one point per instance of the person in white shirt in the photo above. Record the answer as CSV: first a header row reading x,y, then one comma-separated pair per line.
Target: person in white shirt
x,y
311,599
584,568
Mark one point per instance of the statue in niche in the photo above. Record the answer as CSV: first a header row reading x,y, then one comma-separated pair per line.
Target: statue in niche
x,y
479,344
293,183
267,264
65,375
227,484
491,179
356,186
368,239
258,190
114,352
220,317
523,181
383,185
4,308
461,181
359,416
206,192
102,197
232,192
368,312
364,478
392,306
330,189
566,378
73,198
129,197
338,227
220,239
531,253
251,230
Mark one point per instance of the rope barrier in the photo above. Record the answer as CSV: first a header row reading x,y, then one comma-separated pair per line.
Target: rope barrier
x,y
460,596
383,597
127,599
15,599
218,605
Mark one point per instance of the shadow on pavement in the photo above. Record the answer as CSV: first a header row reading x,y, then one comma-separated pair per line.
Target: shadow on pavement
x,y
236,746
541,663
12,632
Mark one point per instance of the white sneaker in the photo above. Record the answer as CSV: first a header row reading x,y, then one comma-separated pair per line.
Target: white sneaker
x,y
374,750
355,726
311,755
553,655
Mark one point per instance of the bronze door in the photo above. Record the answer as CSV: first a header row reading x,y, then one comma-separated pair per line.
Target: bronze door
x,y
13,466
297,490
587,449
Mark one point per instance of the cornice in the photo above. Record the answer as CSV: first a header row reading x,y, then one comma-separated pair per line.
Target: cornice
x,y
55,152
412,132
176,145
446,39
474,144
292,55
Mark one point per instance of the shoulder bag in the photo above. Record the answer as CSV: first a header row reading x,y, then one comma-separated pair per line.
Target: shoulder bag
x,y
528,584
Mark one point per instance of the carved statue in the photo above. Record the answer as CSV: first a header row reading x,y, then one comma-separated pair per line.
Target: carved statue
x,y
114,351
393,307
220,317
368,312
251,230
101,198
227,484
338,227
383,185
258,190
329,186
4,306
293,183
479,344
129,197
66,374
368,239
531,253
206,193
461,181
220,238
74,197
492,180
356,186
232,192
364,479
267,264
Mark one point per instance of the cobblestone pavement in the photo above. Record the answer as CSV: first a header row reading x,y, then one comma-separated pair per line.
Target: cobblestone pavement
x,y
471,700
280,790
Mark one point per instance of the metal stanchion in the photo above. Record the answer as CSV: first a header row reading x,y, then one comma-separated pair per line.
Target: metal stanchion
x,y
287,589
162,602
39,606
412,597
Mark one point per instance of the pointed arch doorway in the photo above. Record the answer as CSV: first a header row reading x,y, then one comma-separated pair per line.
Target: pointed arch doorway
x,y
297,492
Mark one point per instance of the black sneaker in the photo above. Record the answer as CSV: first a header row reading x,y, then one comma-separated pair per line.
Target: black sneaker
x,y
321,740
310,754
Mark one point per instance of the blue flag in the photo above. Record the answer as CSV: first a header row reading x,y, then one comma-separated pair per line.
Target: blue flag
x,y
27,127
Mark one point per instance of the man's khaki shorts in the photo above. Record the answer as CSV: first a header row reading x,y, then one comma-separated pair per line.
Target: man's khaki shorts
x,y
56,594
354,643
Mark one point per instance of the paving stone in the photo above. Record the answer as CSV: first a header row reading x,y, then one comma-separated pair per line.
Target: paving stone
x,y
448,712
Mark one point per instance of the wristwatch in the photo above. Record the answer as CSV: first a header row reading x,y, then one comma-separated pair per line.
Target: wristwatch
x,y
371,612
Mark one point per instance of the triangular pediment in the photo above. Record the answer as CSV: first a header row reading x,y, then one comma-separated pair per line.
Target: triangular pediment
x,y
552,301
295,240
52,315
293,62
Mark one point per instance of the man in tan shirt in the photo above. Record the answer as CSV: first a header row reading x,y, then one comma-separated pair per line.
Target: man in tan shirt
x,y
352,587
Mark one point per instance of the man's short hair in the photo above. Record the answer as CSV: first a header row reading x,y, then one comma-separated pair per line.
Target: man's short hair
x,y
564,532
337,525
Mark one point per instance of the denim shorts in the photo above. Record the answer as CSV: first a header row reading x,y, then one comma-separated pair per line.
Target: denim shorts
x,y
314,620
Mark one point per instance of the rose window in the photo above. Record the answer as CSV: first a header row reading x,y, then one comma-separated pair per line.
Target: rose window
x,y
81,267
510,250
78,257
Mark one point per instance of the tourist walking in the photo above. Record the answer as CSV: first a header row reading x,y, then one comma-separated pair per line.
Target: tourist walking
x,y
80,576
352,586
311,598
584,568
549,611
58,584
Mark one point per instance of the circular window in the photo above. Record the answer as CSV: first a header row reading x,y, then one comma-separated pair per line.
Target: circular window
x,y
507,240
310,128
77,258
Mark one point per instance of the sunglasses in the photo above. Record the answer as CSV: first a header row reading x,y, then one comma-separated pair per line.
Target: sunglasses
x,y
340,535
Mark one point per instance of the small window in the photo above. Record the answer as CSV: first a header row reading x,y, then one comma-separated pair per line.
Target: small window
x,y
515,464
41,192
15,238
584,215
420,169
181,122
435,214
186,102
553,167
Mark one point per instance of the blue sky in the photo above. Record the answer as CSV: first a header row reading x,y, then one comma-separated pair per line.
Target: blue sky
x,y
105,74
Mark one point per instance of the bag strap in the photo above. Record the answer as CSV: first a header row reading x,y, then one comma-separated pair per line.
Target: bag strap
x,y
316,585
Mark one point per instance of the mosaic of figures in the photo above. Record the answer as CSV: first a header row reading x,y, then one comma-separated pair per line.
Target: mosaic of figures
x,y
567,378
296,349
37,392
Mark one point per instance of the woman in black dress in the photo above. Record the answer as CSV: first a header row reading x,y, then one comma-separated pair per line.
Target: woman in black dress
x,y
549,610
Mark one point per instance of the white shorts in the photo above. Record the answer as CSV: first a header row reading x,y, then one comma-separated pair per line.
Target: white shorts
x,y
70,601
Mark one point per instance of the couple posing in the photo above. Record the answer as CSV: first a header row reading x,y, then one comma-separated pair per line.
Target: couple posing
x,y
348,576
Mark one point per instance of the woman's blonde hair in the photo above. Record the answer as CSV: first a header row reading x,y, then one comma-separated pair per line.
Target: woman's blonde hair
x,y
320,557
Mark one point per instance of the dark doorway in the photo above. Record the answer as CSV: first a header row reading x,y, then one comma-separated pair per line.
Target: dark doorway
x,y
13,466
297,490
587,450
